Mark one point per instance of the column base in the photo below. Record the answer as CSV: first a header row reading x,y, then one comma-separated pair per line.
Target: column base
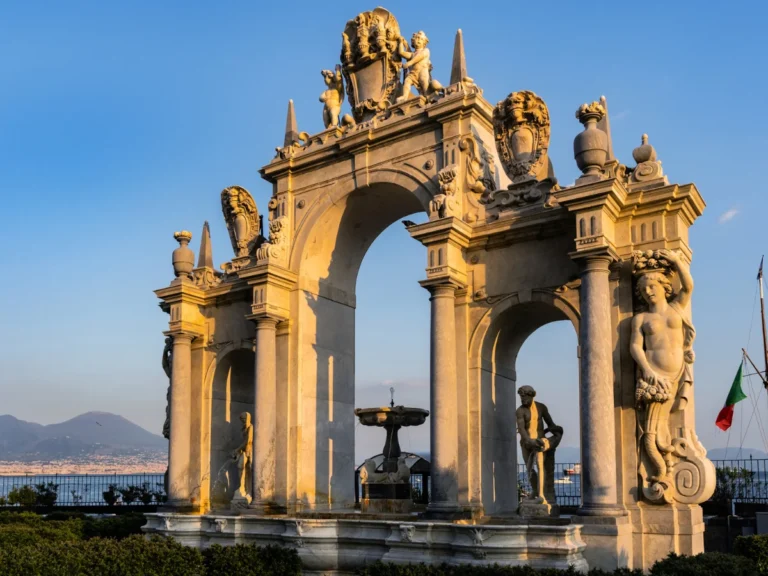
x,y
450,512
181,506
608,540
262,508
607,510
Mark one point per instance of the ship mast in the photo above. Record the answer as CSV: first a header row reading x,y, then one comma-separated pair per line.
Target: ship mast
x,y
762,316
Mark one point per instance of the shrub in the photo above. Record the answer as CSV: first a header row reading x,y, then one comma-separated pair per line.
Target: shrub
x,y
111,496
249,560
134,556
3,501
755,548
24,496
707,564
117,527
46,494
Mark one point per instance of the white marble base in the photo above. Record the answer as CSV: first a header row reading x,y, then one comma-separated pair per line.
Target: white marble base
x,y
343,545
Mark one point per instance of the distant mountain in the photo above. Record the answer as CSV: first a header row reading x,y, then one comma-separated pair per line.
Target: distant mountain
x,y
90,433
733,453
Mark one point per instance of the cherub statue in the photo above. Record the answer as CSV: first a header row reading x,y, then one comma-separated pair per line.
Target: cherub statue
x,y
243,455
418,67
242,220
333,97
662,347
531,418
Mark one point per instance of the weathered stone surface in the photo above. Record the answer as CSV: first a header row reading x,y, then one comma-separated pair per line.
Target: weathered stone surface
x,y
504,253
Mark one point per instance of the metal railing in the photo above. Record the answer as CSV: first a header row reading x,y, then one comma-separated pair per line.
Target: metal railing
x,y
742,480
85,489
567,484
738,480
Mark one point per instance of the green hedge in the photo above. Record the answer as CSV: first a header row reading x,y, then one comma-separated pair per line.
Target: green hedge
x,y
244,560
75,545
754,548
708,564
132,556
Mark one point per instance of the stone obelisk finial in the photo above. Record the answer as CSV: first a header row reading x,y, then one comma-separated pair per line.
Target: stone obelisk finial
x,y
459,66
205,255
605,126
291,128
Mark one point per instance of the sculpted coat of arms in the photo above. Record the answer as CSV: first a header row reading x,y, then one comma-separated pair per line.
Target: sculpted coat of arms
x,y
370,62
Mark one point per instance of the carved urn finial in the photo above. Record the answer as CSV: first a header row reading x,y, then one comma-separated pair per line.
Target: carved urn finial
x,y
590,147
645,152
183,258
648,167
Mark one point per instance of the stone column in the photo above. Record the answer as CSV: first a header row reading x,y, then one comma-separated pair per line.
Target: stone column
x,y
598,431
444,442
265,412
179,441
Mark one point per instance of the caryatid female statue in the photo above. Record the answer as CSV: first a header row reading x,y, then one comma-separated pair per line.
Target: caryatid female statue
x,y
662,347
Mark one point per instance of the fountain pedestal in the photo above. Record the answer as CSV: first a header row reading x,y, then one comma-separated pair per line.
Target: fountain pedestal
x,y
388,490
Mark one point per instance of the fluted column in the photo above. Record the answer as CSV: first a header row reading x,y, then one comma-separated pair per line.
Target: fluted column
x,y
265,411
598,431
444,442
179,441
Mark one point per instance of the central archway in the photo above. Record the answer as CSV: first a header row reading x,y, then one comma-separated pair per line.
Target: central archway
x,y
333,241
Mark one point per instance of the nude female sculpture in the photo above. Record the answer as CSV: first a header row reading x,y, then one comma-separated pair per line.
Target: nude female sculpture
x,y
661,345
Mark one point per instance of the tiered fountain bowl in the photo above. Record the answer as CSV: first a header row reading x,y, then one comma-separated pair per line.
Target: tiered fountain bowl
x,y
386,490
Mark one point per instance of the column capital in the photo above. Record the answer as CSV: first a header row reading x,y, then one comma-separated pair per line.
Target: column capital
x,y
264,320
181,335
441,286
596,259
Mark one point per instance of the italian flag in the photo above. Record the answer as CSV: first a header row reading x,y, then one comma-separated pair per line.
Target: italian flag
x,y
725,417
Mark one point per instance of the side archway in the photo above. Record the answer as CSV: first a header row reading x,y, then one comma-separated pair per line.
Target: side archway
x,y
494,347
229,391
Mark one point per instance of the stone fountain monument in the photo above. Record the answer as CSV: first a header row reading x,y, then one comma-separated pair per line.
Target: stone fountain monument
x,y
388,490
273,332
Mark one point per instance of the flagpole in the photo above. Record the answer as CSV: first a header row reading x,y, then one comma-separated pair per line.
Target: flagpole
x,y
762,315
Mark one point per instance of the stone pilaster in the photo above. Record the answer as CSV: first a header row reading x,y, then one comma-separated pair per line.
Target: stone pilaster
x,y
265,414
179,495
598,429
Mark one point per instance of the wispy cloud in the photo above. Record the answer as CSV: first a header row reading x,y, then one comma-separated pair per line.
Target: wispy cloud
x,y
728,215
620,115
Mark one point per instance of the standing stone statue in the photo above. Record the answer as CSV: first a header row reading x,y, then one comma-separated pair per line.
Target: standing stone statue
x,y
168,368
332,97
243,455
538,452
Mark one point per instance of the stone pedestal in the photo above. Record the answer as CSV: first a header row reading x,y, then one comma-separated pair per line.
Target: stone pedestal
x,y
386,498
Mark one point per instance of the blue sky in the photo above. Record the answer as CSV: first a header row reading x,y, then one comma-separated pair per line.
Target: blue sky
x,y
120,122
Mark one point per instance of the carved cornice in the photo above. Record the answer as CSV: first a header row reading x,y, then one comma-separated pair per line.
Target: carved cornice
x,y
271,274
399,121
609,195
684,198
449,229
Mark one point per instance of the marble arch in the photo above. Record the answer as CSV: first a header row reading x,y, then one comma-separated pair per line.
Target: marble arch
x,y
507,249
